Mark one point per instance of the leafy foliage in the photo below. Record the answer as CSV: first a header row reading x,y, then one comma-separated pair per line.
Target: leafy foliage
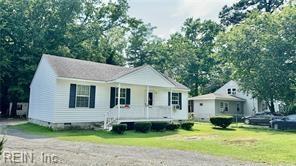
x,y
187,125
2,145
239,10
143,127
90,30
119,128
173,126
159,126
221,121
261,51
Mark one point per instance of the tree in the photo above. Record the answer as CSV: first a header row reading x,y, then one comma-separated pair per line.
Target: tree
x,y
139,38
201,34
238,11
80,29
261,50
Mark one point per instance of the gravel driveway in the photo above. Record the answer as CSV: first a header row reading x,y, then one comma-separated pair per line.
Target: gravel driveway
x,y
81,153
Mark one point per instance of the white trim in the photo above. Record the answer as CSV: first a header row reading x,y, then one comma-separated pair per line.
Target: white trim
x,y
77,79
88,105
145,67
118,101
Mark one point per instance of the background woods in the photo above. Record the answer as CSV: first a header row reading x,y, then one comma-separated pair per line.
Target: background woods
x,y
255,46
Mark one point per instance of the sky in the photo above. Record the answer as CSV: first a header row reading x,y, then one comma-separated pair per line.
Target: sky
x,y
169,15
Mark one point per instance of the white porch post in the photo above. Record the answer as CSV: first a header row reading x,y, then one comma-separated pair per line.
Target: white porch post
x,y
147,102
118,102
171,103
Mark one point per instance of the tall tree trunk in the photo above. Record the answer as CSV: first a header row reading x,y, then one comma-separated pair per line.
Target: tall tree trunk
x,y
4,106
13,109
271,107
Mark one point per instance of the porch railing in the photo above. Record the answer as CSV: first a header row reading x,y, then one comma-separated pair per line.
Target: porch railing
x,y
137,112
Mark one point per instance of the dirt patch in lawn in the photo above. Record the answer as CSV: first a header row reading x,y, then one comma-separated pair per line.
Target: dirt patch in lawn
x,y
192,138
241,141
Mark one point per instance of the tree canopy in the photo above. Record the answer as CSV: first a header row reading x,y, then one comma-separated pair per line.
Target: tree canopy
x,y
262,51
259,52
238,11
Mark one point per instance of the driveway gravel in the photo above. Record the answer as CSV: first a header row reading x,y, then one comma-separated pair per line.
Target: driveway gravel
x,y
60,152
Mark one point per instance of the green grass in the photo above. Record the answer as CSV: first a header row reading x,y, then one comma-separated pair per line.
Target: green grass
x,y
244,143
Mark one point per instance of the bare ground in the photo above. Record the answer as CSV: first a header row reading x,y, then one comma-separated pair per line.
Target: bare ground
x,y
82,153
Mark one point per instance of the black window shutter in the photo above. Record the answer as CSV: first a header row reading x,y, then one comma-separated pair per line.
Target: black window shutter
x,y
112,97
180,100
92,101
169,98
150,97
128,96
72,95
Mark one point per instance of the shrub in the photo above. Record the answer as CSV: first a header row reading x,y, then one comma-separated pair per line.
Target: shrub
x,y
2,141
119,128
173,126
130,125
143,127
187,125
221,121
159,126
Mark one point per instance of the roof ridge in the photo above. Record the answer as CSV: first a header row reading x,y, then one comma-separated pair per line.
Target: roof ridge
x,y
81,60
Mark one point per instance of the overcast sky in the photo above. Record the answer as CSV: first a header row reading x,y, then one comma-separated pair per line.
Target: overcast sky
x,y
169,15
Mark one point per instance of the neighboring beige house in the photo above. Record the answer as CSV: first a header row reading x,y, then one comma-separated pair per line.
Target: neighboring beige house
x,y
213,104
72,92
227,100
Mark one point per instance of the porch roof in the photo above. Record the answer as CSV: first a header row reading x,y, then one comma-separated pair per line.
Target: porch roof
x,y
216,96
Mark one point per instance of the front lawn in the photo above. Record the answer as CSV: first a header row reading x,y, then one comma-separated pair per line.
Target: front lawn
x,y
260,145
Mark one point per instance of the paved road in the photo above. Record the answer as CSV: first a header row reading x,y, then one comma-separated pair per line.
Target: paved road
x,y
81,153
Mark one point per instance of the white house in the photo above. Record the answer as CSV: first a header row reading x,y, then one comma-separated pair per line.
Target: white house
x,y
228,100
71,92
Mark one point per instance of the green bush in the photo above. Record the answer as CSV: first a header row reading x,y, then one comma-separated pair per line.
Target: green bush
x,y
143,127
159,126
221,121
173,126
187,125
119,128
130,125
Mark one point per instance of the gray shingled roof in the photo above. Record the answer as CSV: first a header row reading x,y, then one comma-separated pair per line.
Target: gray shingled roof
x,y
87,70
216,96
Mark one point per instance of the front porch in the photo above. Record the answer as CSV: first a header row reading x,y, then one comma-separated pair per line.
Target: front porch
x,y
141,103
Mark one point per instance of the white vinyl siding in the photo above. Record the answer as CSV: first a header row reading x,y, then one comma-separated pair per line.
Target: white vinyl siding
x,y
42,93
64,114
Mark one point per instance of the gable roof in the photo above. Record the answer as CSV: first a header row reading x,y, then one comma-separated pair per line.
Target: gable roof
x,y
87,70
216,96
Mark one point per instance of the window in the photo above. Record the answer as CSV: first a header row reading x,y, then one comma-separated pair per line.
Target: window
x,y
229,91
19,107
221,107
224,106
200,104
175,99
233,91
150,98
238,107
122,97
82,96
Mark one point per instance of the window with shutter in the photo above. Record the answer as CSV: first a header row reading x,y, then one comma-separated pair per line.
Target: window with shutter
x,y
82,96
